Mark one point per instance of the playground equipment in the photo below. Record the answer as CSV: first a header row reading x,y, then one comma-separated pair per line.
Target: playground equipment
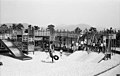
x,y
55,57
16,52
110,40
104,42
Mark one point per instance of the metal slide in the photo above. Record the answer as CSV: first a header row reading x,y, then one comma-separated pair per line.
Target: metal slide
x,y
17,53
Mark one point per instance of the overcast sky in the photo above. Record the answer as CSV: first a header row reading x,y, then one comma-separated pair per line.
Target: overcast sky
x,y
103,13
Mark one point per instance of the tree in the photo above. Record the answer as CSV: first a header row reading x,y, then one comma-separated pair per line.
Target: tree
x,y
93,29
52,31
26,30
78,30
29,26
10,29
36,27
110,30
85,33
4,28
118,38
20,26
92,32
51,28
14,26
30,30
0,30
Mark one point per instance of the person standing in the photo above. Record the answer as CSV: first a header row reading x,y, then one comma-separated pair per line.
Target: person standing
x,y
77,45
51,50
61,51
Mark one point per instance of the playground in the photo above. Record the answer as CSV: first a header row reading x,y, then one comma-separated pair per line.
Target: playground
x,y
78,63
65,54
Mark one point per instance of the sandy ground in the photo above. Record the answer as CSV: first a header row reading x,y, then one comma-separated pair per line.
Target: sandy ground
x,y
80,63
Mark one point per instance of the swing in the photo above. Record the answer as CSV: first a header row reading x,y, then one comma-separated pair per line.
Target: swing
x,y
55,57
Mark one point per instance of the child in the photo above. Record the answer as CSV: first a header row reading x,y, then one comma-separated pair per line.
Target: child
x,y
61,51
46,51
51,50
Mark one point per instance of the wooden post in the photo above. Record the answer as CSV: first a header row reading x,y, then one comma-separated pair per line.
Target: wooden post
x,y
34,39
22,39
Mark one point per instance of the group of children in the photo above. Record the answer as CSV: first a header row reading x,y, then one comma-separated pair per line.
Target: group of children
x,y
83,45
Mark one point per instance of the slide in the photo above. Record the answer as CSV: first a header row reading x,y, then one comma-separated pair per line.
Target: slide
x,y
17,53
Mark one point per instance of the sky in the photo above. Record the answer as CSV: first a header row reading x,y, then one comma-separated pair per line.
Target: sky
x,y
98,13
